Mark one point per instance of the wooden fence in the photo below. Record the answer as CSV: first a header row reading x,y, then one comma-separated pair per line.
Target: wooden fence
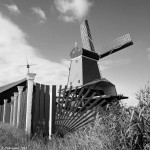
x,y
62,111
41,109
54,110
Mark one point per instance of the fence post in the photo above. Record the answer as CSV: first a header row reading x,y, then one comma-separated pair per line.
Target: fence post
x,y
15,108
4,112
11,111
20,89
30,78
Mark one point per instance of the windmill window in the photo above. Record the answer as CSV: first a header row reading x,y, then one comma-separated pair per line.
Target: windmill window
x,y
76,61
78,81
70,83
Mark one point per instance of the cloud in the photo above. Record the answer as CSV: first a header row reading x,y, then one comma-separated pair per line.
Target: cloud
x,y
148,52
40,13
72,10
13,51
13,8
105,64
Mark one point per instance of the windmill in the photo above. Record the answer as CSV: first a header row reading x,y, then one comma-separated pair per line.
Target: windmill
x,y
28,65
84,70
88,90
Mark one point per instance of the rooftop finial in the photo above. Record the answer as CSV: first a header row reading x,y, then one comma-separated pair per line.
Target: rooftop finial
x,y
28,66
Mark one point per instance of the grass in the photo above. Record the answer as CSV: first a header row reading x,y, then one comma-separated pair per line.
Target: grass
x,y
118,128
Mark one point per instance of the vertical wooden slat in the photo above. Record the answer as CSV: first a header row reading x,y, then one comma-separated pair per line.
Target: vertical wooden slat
x,y
47,103
53,109
36,112
1,112
42,107
23,110
11,111
20,90
8,109
4,112
16,112
33,115
58,109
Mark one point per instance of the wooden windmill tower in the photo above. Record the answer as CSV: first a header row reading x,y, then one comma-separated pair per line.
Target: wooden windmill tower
x,y
84,70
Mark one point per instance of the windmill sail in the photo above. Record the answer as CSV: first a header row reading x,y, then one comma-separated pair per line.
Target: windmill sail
x,y
116,45
86,36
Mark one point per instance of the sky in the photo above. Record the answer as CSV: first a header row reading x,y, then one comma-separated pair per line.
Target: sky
x,y
45,31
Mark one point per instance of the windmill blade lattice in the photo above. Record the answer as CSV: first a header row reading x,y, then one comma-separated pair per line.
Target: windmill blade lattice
x,y
86,36
116,45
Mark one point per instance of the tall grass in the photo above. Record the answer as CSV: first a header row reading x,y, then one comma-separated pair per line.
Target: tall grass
x,y
118,128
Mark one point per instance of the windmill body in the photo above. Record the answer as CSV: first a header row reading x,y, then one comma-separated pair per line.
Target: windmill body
x,y
84,70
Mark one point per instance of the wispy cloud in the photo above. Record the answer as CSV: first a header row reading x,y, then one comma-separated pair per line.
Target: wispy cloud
x,y
148,52
13,8
13,51
72,10
105,64
41,14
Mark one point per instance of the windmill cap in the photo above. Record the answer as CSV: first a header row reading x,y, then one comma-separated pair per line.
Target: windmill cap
x,y
76,52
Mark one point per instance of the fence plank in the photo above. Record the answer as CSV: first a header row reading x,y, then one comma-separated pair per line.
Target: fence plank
x,y
47,104
37,109
1,112
8,109
53,109
42,107
23,110
58,109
